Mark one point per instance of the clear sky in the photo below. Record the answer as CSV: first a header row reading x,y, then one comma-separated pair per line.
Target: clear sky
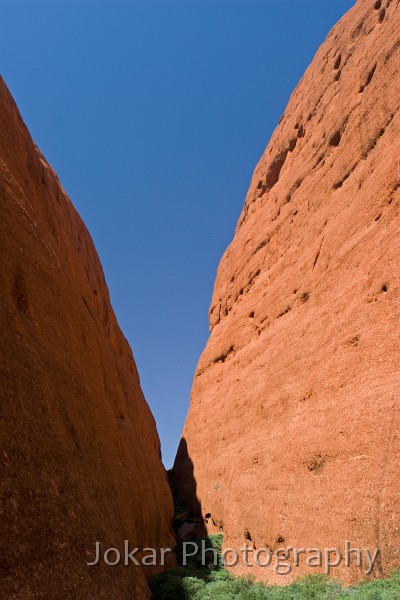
x,y
154,115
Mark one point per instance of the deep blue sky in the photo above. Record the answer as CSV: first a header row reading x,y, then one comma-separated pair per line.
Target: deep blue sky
x,y
154,115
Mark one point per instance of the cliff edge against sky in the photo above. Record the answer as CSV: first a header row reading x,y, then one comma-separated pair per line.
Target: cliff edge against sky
x,y
80,454
292,437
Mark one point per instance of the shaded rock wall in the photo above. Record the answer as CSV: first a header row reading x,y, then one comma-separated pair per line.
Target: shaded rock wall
x,y
292,437
79,452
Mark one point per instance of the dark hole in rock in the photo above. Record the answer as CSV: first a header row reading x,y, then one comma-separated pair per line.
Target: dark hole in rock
x,y
275,168
280,539
19,296
337,62
335,138
370,76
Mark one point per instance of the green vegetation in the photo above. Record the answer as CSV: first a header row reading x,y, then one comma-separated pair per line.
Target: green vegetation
x,y
197,582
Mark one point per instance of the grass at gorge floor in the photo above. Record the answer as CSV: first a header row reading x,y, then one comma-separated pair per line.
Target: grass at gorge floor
x,y
197,582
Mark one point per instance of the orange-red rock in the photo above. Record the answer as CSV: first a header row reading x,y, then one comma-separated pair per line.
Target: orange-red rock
x,y
292,437
79,451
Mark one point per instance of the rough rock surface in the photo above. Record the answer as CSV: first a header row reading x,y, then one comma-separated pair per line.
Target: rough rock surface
x,y
79,452
292,437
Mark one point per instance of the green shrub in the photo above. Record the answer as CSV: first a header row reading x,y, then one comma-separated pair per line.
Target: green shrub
x,y
198,582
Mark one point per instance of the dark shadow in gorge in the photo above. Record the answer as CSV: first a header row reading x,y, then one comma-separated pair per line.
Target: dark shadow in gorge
x,y
184,487
183,582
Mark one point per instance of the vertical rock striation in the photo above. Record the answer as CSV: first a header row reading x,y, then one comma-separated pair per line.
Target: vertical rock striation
x,y
292,437
79,452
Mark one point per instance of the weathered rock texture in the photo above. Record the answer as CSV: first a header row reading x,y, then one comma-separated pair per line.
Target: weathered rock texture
x,y
79,451
292,437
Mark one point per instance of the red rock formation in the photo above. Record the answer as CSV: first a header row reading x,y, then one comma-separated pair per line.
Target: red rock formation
x,y
292,437
79,453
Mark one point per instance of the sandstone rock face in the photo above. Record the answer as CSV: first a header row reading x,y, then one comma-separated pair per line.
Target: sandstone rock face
x,y
79,452
292,437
